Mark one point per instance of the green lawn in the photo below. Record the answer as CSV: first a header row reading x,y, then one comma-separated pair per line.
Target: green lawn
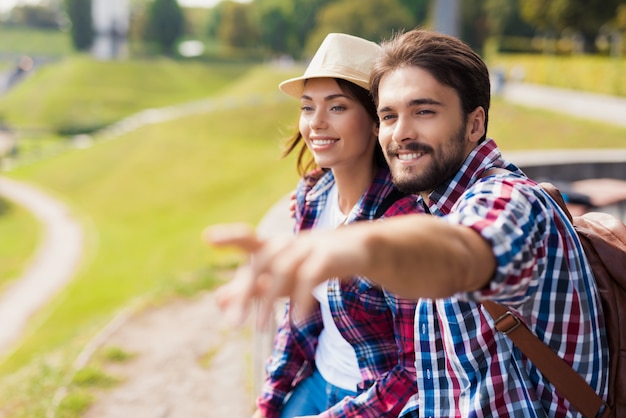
x,y
34,42
78,92
20,233
521,128
605,75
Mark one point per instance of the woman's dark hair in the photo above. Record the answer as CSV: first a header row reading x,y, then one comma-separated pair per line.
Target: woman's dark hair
x,y
305,161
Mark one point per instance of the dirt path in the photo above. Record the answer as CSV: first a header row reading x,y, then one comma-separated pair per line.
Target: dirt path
x,y
188,362
52,266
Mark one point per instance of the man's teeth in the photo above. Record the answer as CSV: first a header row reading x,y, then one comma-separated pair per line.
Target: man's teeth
x,y
410,156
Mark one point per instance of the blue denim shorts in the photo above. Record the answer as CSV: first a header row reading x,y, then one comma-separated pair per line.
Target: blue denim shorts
x,y
313,396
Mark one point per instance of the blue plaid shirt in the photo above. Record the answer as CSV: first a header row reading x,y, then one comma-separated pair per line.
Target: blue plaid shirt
x,y
378,325
465,367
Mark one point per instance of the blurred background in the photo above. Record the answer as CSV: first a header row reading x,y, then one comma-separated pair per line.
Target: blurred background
x,y
151,119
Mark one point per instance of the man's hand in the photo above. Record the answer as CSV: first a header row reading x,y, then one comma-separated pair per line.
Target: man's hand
x,y
292,204
284,266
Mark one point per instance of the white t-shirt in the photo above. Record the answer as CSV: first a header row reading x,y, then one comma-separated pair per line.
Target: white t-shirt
x,y
335,358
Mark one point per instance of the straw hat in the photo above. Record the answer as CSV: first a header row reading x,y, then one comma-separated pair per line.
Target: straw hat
x,y
339,56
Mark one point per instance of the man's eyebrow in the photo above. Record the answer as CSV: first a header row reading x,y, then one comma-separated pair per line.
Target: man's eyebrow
x,y
414,102
417,102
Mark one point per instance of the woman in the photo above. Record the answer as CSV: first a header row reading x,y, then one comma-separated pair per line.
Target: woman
x,y
354,355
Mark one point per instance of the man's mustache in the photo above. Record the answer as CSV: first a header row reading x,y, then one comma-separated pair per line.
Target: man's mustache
x,y
411,146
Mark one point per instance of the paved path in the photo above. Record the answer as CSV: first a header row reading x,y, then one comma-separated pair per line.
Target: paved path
x,y
53,265
6,142
599,107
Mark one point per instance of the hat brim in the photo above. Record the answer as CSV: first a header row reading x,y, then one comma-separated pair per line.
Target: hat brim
x,y
294,86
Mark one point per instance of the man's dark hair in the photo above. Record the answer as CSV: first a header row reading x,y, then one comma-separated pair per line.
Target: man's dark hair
x,y
449,60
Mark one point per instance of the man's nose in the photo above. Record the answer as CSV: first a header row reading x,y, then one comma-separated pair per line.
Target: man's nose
x,y
403,130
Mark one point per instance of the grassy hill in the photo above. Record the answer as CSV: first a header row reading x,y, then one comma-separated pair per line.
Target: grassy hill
x,y
145,197
79,93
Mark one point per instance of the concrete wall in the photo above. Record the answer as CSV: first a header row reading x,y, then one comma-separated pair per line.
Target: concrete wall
x,y
571,165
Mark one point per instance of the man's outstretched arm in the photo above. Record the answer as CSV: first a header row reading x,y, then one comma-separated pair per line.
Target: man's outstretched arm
x,y
412,256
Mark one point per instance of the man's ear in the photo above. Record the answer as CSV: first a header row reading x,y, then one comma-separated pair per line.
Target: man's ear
x,y
476,125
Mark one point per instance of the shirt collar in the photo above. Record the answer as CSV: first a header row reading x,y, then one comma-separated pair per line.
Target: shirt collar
x,y
380,187
483,157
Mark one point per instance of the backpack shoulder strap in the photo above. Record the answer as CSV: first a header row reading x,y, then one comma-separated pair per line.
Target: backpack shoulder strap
x,y
566,380
556,195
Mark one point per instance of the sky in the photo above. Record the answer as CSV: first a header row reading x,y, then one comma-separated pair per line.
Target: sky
x,y
6,5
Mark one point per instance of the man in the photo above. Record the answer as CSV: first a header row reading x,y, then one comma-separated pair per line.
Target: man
x,y
494,235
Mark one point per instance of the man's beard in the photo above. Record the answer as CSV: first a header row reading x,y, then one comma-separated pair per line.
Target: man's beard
x,y
445,162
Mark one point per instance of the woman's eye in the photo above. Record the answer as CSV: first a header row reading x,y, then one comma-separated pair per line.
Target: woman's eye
x,y
338,108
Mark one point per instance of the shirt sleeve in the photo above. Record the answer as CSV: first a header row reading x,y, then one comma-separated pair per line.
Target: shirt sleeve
x,y
288,362
512,215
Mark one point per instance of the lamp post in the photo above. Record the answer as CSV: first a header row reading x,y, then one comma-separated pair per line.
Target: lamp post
x,y
110,23
447,17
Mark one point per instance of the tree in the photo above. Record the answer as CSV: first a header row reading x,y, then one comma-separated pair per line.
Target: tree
x,y
620,18
419,9
36,16
585,16
272,17
235,28
285,25
369,19
79,13
166,24
504,19
304,19
474,23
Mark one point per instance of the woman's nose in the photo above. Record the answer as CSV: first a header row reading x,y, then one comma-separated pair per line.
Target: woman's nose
x,y
317,121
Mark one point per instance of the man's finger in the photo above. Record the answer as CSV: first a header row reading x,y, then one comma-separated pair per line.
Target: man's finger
x,y
238,235
235,297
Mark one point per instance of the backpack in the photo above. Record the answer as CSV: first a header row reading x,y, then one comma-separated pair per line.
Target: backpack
x,y
603,238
